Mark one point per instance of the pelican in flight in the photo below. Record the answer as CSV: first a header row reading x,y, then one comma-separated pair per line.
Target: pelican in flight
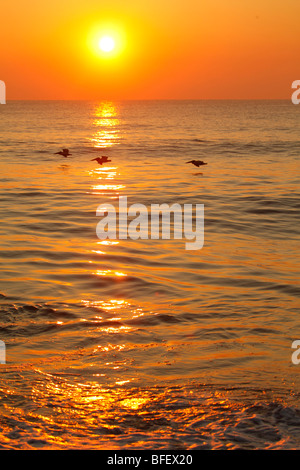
x,y
64,153
197,162
101,160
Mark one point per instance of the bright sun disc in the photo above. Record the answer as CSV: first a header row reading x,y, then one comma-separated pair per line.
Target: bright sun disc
x,y
106,44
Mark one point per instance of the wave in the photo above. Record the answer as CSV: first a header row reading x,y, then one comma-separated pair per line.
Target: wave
x,y
200,416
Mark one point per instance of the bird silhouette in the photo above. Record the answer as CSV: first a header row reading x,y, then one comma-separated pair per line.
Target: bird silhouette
x,y
64,153
197,162
101,160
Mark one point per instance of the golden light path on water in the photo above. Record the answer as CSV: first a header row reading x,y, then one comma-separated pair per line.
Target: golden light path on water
x,y
106,122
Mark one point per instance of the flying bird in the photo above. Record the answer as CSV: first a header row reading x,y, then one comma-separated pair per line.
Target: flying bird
x,y
101,160
64,153
197,162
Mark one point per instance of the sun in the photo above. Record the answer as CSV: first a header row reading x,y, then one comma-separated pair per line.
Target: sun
x,y
107,44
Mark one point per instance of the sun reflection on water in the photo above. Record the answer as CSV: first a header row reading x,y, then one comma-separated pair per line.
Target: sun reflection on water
x,y
110,190
106,123
108,242
108,172
120,309
109,272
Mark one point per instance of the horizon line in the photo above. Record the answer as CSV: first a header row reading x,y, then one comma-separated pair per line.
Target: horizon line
x,y
148,99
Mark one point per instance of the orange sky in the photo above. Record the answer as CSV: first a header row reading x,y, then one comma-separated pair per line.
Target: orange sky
x,y
167,49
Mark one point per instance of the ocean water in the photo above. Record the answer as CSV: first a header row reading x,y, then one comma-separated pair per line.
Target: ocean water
x,y
120,344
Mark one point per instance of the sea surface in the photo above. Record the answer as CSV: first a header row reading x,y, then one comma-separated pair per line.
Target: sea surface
x,y
122,344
